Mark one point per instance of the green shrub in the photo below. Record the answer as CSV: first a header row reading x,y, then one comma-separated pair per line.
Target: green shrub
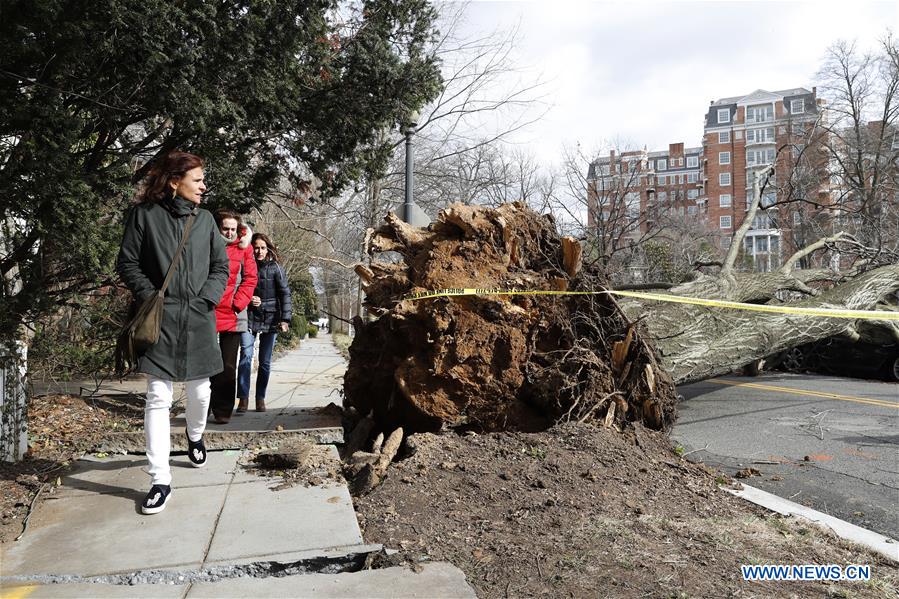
x,y
312,330
294,334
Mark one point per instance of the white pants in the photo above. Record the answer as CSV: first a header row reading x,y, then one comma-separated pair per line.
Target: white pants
x,y
158,428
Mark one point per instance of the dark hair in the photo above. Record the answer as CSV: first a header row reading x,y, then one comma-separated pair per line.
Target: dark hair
x,y
223,213
171,167
272,250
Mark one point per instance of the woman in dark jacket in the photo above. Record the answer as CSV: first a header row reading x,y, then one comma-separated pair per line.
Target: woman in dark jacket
x,y
270,312
187,350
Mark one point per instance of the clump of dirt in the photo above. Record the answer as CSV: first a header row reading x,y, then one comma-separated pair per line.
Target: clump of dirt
x,y
61,428
586,511
494,361
298,462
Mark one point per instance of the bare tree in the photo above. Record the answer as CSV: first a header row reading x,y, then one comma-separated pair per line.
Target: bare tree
x,y
853,149
610,204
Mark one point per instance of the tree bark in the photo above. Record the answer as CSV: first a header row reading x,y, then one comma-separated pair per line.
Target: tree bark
x,y
13,402
697,342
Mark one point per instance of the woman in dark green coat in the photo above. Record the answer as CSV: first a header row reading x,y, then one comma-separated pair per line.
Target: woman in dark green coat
x,y
187,350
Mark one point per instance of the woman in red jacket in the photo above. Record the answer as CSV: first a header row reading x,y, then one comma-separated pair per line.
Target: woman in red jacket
x,y
231,312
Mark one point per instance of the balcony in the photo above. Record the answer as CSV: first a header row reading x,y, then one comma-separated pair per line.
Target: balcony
x,y
756,142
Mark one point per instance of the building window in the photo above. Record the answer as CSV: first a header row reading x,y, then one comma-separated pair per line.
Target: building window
x,y
692,194
797,106
758,157
692,177
724,179
724,115
691,210
725,242
724,200
662,179
692,161
724,137
760,136
769,199
724,222
762,113
723,157
662,165
797,219
632,204
662,196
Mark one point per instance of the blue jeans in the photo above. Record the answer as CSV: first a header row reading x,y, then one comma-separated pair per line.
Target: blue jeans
x,y
266,347
245,365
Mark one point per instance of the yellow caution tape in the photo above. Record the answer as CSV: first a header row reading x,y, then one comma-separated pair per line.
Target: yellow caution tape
x,y
677,299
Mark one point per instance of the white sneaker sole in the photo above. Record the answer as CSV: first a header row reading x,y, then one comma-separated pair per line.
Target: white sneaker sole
x,y
193,463
157,509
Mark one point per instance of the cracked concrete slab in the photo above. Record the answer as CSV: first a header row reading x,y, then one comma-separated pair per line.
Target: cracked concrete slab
x,y
259,521
437,579
105,533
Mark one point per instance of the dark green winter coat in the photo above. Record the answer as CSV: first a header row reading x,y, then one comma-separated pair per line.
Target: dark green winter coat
x,y
188,347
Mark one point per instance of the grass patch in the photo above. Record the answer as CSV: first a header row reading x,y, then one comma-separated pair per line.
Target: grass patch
x,y
342,343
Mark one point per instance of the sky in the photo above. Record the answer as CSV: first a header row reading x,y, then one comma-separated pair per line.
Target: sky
x,y
644,72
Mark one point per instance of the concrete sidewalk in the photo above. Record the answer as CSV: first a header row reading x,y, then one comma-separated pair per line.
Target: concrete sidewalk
x,y
226,531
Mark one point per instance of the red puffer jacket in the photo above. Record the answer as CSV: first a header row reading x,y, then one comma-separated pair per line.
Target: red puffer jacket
x,y
231,312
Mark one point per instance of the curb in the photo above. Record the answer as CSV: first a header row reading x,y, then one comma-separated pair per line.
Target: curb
x,y
878,543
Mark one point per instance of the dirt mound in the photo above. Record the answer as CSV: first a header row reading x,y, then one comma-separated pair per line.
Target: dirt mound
x,y
584,511
495,362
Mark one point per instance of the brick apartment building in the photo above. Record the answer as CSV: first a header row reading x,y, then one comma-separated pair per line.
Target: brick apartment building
x,y
714,182
640,187
741,138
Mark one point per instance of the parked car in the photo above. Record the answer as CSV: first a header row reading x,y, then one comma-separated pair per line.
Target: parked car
x,y
865,358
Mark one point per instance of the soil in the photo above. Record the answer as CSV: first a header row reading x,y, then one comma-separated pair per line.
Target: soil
x,y
491,361
586,511
297,463
62,428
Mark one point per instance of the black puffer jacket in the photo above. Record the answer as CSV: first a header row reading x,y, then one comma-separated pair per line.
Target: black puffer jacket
x,y
187,347
275,293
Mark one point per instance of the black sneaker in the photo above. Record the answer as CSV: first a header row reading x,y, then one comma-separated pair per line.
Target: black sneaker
x,y
156,499
196,451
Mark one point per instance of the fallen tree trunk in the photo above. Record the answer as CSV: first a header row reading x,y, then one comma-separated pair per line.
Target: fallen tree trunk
x,y
697,343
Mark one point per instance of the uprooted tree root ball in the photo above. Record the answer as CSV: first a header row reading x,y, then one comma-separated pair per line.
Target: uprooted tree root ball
x,y
495,362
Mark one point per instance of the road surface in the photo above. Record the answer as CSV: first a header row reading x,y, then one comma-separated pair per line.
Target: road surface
x,y
828,443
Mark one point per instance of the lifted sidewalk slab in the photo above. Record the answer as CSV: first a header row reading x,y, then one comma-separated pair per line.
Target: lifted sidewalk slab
x,y
437,579
434,580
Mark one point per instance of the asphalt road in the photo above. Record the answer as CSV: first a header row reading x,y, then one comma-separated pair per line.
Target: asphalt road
x,y
828,443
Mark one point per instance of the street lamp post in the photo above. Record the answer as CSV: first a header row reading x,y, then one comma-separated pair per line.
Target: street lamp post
x,y
409,131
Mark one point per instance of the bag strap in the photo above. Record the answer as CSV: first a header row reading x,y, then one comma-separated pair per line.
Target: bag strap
x,y
177,257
